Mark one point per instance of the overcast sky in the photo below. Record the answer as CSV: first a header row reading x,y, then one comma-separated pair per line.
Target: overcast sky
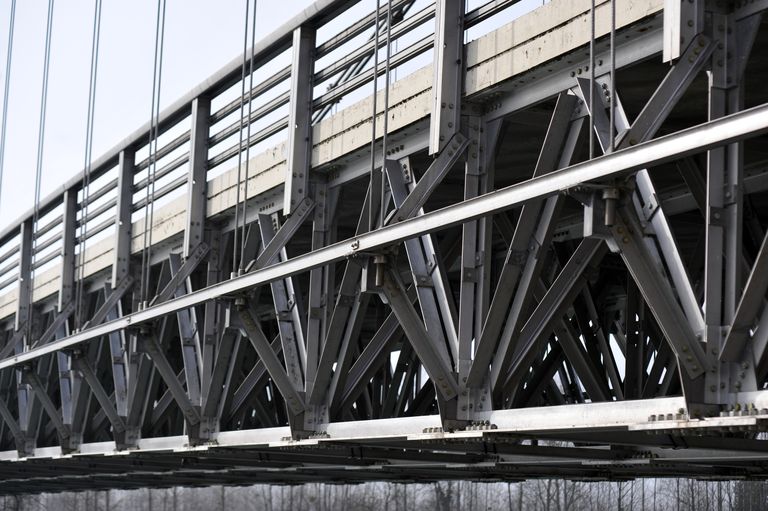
x,y
201,36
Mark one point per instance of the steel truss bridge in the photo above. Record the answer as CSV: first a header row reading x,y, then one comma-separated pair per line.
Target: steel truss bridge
x,y
480,299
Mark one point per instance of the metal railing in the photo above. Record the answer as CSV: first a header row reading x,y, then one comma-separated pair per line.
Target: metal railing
x,y
348,70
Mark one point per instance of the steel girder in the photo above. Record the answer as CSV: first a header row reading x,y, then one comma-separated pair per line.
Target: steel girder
x,y
459,334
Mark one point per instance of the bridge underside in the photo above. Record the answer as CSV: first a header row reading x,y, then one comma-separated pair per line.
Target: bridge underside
x,y
525,283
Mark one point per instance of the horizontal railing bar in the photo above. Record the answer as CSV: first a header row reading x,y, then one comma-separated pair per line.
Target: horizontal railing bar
x,y
9,267
482,13
12,252
161,192
47,243
98,211
55,222
98,194
93,231
257,91
693,140
337,93
162,172
10,280
164,151
47,259
265,133
399,30
257,114
356,29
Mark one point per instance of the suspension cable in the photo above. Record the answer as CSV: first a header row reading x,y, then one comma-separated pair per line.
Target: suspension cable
x,y
6,93
79,294
387,70
248,132
154,129
39,165
371,191
235,233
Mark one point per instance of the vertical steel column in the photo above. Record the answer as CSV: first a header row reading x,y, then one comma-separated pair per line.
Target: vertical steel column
x,y
683,19
24,391
68,227
523,260
320,286
66,286
474,293
634,321
123,212
197,179
25,275
300,118
722,278
118,345
211,328
448,73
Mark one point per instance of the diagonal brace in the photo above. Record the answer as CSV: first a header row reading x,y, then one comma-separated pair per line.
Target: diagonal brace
x,y
275,369
80,363
57,322
749,306
565,287
186,269
109,303
433,356
283,235
432,177
148,343
31,378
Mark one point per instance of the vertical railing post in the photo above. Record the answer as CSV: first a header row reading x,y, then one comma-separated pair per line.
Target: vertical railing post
x,y
120,266
66,286
197,184
23,307
683,20
448,71
25,274
118,347
300,118
69,228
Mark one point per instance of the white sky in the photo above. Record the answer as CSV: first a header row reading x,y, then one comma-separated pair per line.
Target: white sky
x,y
201,36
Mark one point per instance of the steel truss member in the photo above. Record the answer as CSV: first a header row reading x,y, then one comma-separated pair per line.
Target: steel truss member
x,y
527,259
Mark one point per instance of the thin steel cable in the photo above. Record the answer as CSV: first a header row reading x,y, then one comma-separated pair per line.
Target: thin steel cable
x,y
612,106
146,253
235,233
387,69
40,146
371,212
592,105
6,92
157,136
79,293
248,134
